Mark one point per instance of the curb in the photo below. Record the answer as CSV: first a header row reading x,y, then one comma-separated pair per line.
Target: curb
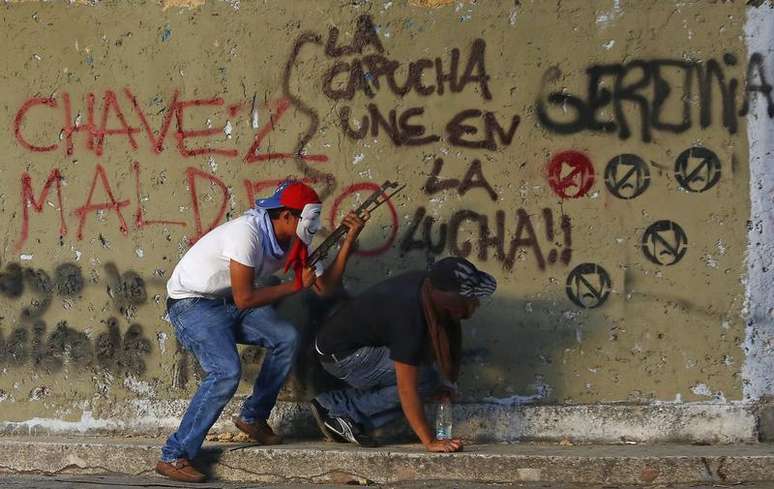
x,y
333,463
483,422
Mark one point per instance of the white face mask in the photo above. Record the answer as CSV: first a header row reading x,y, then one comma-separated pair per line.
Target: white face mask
x,y
309,223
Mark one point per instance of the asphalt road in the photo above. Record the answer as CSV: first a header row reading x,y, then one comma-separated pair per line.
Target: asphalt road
x,y
115,482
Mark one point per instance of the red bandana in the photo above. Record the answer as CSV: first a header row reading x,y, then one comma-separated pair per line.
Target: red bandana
x,y
295,196
297,259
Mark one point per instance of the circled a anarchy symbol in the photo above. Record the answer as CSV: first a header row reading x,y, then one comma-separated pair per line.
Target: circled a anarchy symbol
x,y
627,176
664,243
588,285
570,174
697,169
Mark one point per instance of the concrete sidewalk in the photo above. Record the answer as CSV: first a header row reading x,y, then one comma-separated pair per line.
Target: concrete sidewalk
x,y
334,463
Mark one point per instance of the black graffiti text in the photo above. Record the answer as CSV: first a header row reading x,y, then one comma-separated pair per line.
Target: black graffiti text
x,y
368,70
474,178
466,229
663,93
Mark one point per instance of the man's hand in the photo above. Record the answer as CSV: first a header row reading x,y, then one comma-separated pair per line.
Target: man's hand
x,y
308,277
355,224
453,445
331,278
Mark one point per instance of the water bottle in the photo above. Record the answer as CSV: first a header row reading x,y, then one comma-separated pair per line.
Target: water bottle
x,y
443,420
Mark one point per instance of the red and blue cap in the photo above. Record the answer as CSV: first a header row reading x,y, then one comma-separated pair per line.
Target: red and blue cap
x,y
291,194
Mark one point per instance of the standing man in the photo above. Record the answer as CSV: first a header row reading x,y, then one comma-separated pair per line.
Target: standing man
x,y
384,344
214,304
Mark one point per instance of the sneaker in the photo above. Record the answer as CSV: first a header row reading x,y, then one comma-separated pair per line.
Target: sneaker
x,y
259,431
323,419
180,470
350,431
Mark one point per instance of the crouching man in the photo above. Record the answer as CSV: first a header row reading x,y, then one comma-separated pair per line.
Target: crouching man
x,y
213,304
384,344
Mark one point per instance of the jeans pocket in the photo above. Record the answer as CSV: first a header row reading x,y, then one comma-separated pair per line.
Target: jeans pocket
x,y
358,368
334,369
180,335
180,306
177,314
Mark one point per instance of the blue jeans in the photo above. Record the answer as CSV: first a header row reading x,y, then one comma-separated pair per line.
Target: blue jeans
x,y
372,400
211,329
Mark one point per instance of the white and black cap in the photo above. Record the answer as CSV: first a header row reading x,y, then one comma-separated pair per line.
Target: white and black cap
x,y
454,274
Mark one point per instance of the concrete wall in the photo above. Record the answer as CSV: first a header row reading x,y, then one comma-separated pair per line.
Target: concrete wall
x,y
596,157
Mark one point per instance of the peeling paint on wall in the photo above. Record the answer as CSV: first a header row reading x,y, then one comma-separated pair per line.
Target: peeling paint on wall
x,y
430,3
167,4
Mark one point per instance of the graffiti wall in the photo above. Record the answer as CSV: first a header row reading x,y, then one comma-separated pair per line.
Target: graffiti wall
x,y
594,157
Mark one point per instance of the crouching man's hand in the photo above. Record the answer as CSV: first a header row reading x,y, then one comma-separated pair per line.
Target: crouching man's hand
x,y
308,277
413,408
453,445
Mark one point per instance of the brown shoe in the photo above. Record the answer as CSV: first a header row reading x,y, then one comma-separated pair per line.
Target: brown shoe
x,y
259,431
180,470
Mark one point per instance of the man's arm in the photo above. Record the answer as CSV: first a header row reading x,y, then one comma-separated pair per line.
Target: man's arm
x,y
247,296
413,408
326,284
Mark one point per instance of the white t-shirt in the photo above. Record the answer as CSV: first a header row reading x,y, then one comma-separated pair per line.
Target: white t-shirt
x,y
204,270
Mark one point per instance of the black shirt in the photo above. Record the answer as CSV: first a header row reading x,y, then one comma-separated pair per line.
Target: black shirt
x,y
388,314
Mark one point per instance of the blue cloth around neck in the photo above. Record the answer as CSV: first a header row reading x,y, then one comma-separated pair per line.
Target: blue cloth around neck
x,y
268,239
